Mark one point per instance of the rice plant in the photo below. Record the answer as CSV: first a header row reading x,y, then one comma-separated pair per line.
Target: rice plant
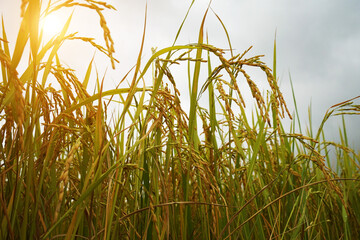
x,y
71,169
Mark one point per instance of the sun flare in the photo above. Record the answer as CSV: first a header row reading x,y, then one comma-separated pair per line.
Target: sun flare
x,y
51,25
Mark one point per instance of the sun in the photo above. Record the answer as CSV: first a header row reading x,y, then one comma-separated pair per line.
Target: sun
x,y
51,25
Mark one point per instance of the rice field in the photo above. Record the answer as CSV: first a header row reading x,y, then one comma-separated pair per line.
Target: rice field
x,y
71,168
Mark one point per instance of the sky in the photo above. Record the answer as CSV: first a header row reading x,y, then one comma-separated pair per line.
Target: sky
x,y
318,43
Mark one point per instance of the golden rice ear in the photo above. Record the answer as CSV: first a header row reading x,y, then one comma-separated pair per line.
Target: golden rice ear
x,y
64,177
107,37
20,103
15,98
98,6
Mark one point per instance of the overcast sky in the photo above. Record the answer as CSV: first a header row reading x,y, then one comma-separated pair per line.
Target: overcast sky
x,y
318,42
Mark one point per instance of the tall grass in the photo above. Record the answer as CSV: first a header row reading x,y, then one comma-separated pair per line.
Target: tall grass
x,y
71,170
